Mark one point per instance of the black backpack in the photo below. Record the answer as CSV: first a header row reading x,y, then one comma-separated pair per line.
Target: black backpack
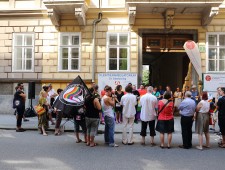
x,y
30,112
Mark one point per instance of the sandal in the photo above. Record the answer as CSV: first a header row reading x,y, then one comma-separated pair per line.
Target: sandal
x,y
57,133
162,147
205,146
87,144
222,146
78,141
93,145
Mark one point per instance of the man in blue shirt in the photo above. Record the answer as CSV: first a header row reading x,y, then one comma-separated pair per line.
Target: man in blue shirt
x,y
187,110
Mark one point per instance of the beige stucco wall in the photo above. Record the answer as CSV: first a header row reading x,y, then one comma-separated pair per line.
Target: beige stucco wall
x,y
46,41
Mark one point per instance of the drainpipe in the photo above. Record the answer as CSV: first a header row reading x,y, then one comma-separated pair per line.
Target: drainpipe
x,y
95,22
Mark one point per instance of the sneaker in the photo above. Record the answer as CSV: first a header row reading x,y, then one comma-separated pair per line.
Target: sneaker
x,y
113,145
199,148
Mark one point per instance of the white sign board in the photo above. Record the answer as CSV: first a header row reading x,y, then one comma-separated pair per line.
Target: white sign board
x,y
114,79
212,81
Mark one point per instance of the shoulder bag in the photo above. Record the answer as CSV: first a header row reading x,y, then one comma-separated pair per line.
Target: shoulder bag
x,y
163,106
39,110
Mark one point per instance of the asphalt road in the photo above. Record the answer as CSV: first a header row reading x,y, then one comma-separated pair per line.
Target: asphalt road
x,y
32,151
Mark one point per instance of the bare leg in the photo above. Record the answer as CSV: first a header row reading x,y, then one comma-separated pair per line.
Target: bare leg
x,y
43,130
162,139
200,138
85,137
207,137
223,139
169,138
77,136
88,140
152,139
117,117
50,118
92,142
143,140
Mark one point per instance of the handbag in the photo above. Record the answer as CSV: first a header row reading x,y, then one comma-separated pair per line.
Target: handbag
x,y
39,109
16,103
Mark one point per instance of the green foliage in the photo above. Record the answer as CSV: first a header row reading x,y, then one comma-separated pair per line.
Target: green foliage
x,y
145,77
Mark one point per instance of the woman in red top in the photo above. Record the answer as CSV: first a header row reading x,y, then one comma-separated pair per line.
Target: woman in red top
x,y
165,122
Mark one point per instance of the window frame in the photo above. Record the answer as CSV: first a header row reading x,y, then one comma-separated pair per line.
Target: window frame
x,y
106,4
217,47
70,46
23,46
108,46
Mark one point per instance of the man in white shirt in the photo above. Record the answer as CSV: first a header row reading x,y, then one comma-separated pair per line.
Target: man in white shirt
x,y
128,101
149,104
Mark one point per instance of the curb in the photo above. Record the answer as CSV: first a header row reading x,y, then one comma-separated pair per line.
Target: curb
x,y
68,130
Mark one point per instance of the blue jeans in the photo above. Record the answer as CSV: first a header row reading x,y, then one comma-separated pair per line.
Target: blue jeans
x,y
109,130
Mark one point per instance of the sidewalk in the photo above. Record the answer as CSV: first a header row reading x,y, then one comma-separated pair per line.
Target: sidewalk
x,y
9,122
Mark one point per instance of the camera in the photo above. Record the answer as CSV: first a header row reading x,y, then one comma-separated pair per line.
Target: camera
x,y
113,95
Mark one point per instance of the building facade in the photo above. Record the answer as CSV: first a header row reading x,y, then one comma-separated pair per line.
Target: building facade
x,y
53,41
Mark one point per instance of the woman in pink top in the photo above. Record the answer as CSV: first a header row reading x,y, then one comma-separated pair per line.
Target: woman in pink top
x,y
165,122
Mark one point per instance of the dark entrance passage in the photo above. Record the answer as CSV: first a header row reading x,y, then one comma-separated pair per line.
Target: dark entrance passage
x,y
167,61
166,68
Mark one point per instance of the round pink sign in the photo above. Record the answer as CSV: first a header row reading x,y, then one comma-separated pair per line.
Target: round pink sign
x,y
190,45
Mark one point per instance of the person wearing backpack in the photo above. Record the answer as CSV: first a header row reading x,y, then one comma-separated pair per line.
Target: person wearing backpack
x,y
19,105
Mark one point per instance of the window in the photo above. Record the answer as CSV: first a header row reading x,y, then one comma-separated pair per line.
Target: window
x,y
69,52
216,52
23,52
118,50
107,4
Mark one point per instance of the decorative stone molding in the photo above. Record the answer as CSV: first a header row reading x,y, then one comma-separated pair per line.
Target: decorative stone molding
x,y
80,15
168,18
54,18
208,14
132,15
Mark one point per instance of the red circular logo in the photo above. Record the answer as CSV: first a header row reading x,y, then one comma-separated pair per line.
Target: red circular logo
x,y
190,45
208,78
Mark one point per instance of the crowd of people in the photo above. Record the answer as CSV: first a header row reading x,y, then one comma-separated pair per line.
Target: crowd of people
x,y
157,108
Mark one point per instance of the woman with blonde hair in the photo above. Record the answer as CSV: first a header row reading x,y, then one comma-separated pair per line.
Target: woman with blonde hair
x,y
42,119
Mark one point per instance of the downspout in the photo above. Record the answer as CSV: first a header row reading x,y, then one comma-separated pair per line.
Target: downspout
x,y
95,22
